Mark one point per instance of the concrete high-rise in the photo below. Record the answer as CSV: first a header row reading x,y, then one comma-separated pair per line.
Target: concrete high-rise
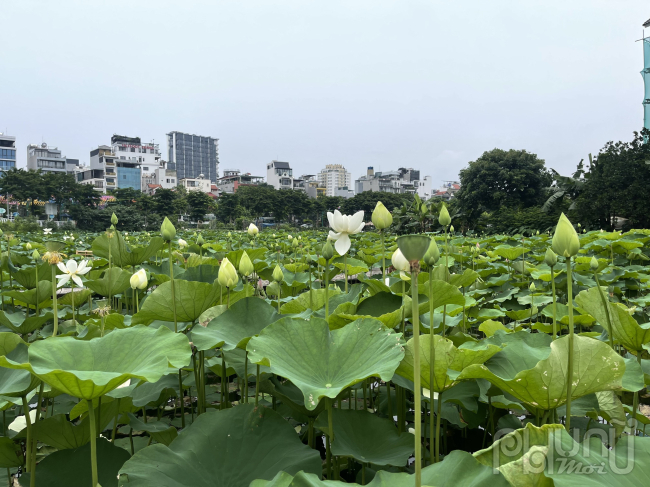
x,y
193,155
7,152
333,177
646,77
45,158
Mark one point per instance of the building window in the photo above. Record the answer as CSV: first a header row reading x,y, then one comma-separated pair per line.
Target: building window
x,y
132,149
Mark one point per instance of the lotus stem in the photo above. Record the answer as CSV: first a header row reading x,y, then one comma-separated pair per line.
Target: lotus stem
x,y
93,442
438,417
635,402
181,396
383,256
610,330
569,383
246,377
74,322
36,271
417,380
54,302
345,272
327,289
257,385
432,361
330,437
171,277
554,301
117,415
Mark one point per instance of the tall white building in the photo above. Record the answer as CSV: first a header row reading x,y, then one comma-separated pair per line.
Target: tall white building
x,y
47,159
279,175
333,177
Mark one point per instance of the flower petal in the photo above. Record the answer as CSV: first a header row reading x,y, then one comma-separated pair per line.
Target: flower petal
x,y
343,244
340,222
358,229
62,267
72,266
63,279
330,218
333,235
78,281
355,221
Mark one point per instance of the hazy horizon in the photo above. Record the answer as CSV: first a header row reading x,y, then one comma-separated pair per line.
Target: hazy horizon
x,y
423,84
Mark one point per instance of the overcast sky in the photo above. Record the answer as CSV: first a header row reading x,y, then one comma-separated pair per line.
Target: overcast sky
x,y
427,84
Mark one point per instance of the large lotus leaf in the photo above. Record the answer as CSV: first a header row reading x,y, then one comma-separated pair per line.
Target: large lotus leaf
x,y
114,282
80,298
153,392
367,438
626,330
596,368
447,358
510,253
26,276
121,254
192,299
228,448
30,297
202,273
71,468
9,341
19,322
290,396
89,369
233,328
15,381
458,469
323,363
515,455
11,455
158,430
303,303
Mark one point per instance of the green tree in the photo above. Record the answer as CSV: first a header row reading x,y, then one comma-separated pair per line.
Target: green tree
x,y
24,185
497,179
229,208
617,184
164,200
199,204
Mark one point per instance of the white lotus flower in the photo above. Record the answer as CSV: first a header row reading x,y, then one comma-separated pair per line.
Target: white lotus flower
x,y
139,280
344,226
253,230
401,264
182,243
47,231
72,271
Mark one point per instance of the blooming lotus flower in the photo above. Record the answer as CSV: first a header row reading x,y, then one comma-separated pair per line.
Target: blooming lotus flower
x,y
253,230
139,280
401,264
47,231
344,226
182,243
72,271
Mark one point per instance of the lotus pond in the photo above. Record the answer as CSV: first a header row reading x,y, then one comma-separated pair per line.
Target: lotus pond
x,y
272,360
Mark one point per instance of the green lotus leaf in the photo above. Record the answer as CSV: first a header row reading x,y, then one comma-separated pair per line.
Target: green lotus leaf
x,y
90,369
290,396
66,468
625,328
236,326
320,362
303,302
158,430
192,299
510,253
26,276
228,448
115,281
123,255
15,379
202,273
543,385
447,358
458,468
19,322
11,454
29,297
367,438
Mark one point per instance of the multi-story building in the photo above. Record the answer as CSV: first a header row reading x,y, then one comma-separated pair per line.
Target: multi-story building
x,y
646,77
47,159
334,176
448,190
279,175
197,184
310,185
233,179
193,155
132,156
161,177
404,180
7,152
72,165
94,177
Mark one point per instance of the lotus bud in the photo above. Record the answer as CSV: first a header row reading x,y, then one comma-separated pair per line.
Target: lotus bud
x,y
229,235
1,232
245,265
381,217
565,240
433,254
182,243
579,225
593,264
36,255
532,287
550,258
253,230
167,230
200,241
294,243
227,274
328,251
28,246
274,235
289,237
399,261
451,229
537,233
413,247
139,280
443,218
277,274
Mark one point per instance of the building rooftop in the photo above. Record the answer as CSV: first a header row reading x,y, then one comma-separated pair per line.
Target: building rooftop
x,y
281,165
646,23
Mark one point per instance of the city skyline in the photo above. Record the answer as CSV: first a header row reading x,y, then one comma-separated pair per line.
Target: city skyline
x,y
424,84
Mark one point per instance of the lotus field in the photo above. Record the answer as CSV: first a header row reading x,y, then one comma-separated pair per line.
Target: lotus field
x,y
219,359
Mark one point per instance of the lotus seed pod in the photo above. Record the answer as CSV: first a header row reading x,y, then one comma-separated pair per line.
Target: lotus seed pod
x,y
328,250
443,218
565,240
550,258
413,247
593,264
114,219
253,230
399,261
167,230
381,217
227,274
433,254
278,276
245,265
